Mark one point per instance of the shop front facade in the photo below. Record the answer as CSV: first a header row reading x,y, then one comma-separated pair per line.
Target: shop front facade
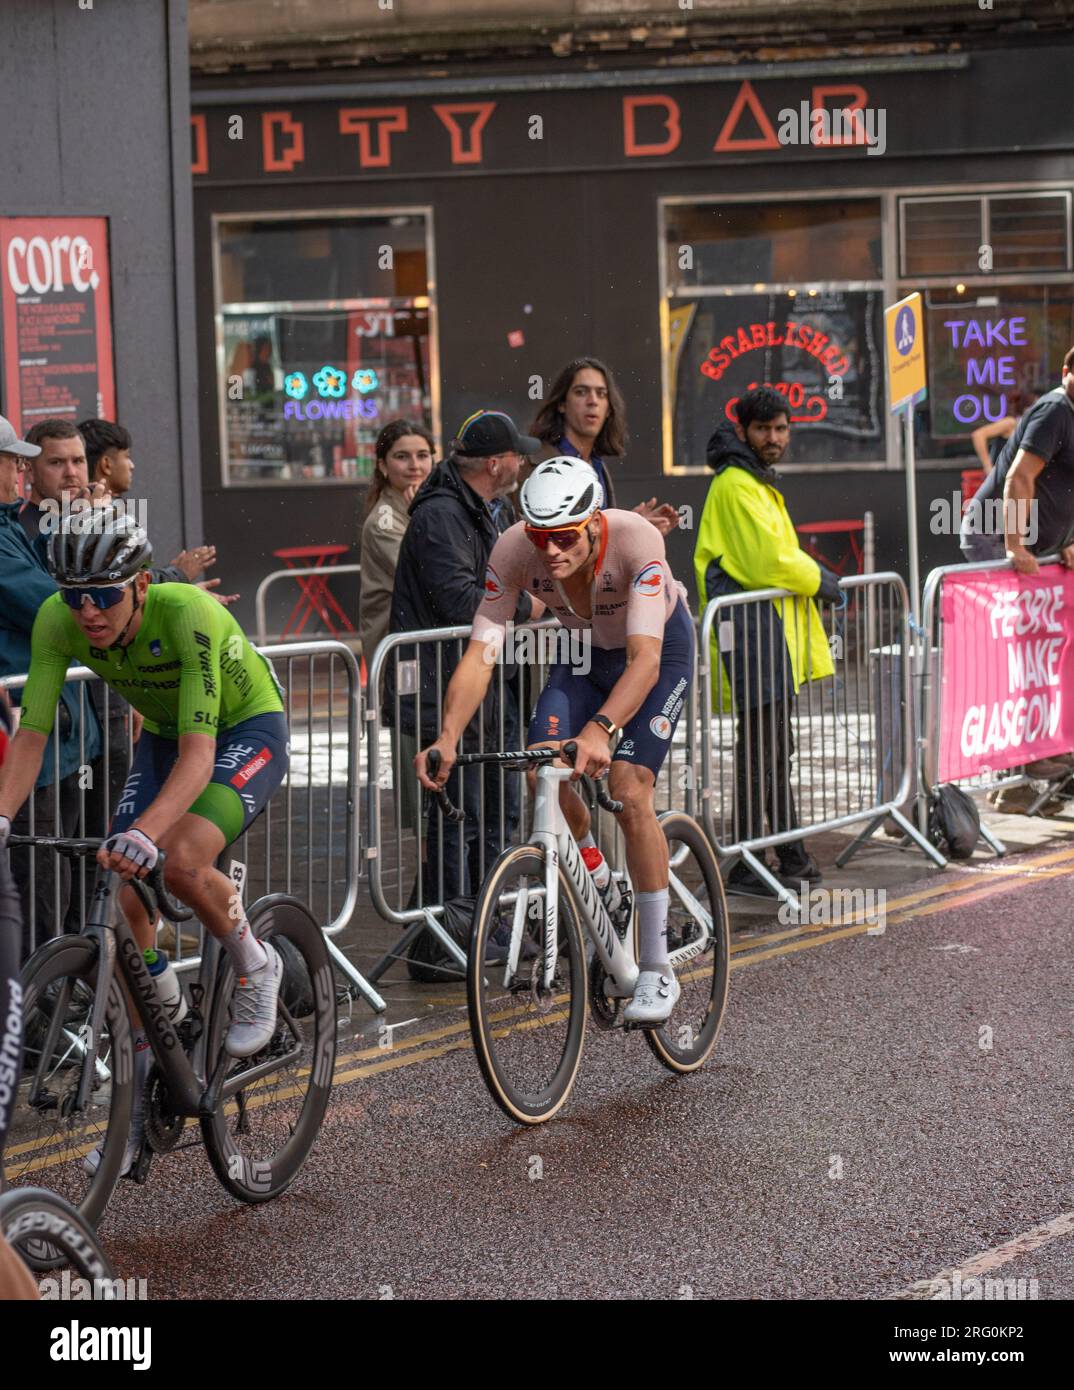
x,y
425,247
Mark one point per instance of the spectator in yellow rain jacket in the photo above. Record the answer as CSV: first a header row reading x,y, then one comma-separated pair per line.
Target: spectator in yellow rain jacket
x,y
746,541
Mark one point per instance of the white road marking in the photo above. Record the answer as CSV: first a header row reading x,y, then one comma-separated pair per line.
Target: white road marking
x,y
989,1260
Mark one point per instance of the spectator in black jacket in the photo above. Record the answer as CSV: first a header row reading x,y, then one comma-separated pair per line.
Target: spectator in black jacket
x,y
455,520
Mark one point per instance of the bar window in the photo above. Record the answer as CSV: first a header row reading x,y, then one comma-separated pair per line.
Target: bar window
x,y
325,332
788,295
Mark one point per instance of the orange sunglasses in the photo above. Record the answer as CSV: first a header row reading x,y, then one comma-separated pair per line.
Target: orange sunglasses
x,y
565,537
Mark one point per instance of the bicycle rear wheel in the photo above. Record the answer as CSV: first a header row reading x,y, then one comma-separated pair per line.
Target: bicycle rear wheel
x,y
528,1039
261,1135
31,1217
685,1042
46,1141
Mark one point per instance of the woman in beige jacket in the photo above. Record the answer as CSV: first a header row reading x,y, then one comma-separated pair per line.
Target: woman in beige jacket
x,y
404,458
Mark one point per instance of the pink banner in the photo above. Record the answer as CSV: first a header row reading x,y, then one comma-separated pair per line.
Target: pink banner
x,y
1008,660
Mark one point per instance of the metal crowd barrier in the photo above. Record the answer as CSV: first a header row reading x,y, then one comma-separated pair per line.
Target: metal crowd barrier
x,y
778,767
398,822
930,706
306,841
300,571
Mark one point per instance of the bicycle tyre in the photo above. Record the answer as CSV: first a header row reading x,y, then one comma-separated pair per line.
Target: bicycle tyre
x,y
529,1107
260,1178
33,1215
685,1044
72,958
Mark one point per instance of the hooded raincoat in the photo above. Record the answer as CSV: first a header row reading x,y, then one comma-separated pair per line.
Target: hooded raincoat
x,y
747,541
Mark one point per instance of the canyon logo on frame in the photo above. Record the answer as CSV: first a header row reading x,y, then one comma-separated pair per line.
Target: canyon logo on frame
x,y
1008,659
57,319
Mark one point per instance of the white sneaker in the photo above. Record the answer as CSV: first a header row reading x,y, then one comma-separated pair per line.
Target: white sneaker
x,y
253,1007
655,995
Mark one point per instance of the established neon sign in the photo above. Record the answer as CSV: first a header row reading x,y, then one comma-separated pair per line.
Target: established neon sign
x,y
754,336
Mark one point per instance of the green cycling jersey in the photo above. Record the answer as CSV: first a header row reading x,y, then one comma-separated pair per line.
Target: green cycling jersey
x,y
190,670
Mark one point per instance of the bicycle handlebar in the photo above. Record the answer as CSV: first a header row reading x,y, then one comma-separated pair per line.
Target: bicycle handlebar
x,y
526,757
154,879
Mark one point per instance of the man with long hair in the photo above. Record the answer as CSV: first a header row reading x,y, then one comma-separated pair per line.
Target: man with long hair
x,y
585,417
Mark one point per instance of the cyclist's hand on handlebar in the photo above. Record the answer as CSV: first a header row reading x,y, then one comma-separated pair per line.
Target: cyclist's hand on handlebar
x,y
447,762
594,755
131,854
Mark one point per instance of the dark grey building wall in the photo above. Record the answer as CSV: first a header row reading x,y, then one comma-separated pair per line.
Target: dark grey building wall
x,y
96,122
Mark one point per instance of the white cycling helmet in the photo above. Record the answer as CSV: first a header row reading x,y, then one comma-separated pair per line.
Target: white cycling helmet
x,y
561,492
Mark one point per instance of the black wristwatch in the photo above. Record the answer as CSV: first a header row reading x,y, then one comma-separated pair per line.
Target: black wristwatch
x,y
606,724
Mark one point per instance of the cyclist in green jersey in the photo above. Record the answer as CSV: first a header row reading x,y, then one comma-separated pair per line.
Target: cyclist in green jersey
x,y
213,749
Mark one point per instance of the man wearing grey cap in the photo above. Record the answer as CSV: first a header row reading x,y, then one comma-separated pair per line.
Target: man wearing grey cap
x,y
24,586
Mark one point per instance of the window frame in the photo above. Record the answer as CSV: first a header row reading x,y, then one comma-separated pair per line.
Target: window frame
x,y
427,301
892,284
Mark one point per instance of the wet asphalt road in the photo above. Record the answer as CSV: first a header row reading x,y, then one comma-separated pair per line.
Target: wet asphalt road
x,y
855,1131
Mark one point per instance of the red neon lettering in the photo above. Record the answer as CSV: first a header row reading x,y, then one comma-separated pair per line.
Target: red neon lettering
x,y
283,163
672,124
360,121
199,163
466,151
767,139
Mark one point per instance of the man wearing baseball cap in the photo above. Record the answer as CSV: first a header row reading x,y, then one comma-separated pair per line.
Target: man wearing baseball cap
x,y
455,520
25,584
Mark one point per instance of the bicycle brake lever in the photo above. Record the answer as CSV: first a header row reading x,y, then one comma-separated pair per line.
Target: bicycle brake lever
x,y
569,752
175,911
450,812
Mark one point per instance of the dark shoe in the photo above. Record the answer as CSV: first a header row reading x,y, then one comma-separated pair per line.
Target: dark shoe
x,y
743,882
499,945
1048,769
791,875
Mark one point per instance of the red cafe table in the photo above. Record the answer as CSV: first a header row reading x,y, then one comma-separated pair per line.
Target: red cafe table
x,y
315,595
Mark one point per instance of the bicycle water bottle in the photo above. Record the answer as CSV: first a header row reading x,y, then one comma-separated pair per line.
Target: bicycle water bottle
x,y
167,982
607,887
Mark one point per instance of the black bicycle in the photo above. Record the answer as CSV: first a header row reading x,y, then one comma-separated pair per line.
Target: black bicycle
x,y
259,1116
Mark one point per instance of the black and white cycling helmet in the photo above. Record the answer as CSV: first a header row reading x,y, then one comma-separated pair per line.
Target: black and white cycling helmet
x,y
561,492
99,546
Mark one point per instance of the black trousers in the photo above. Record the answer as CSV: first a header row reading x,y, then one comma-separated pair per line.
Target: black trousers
x,y
764,802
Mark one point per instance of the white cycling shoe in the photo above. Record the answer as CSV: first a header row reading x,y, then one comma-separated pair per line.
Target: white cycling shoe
x,y
253,1007
655,996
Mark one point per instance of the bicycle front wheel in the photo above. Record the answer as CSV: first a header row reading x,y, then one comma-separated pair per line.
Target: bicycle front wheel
x,y
698,932
31,1217
263,1131
48,1140
528,1038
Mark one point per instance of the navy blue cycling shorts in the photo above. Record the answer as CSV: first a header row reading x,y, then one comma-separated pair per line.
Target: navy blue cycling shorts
x,y
570,699
251,762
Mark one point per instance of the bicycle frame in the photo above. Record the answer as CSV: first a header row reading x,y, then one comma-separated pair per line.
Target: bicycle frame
x,y
190,1093
553,836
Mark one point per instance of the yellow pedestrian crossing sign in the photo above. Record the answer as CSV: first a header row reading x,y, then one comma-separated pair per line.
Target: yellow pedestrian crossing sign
x,y
905,351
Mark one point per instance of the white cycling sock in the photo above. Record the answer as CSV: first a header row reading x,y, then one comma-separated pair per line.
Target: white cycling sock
x,y
244,948
652,930
587,841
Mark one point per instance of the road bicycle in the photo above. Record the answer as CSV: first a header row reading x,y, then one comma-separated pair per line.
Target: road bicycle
x,y
528,1019
259,1116
44,1230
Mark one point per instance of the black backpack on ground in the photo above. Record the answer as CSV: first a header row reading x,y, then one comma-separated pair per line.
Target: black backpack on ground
x,y
954,822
